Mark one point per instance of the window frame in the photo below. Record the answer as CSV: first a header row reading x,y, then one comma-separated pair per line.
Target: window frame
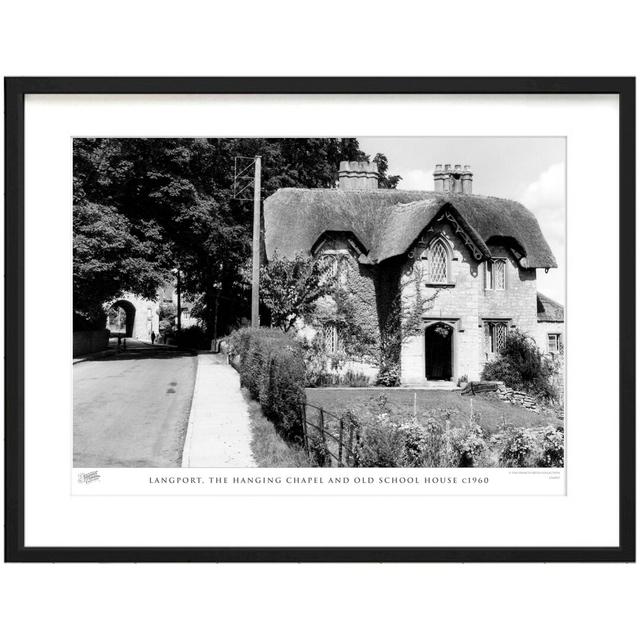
x,y
338,267
491,324
489,275
330,332
427,256
558,337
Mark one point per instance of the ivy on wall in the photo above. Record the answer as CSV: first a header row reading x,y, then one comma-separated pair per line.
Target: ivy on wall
x,y
374,314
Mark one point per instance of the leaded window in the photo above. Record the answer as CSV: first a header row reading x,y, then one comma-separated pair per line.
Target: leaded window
x,y
500,331
336,268
438,263
333,265
496,336
331,337
496,275
499,274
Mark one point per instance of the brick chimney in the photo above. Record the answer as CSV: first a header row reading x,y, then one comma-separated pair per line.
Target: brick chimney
x,y
358,175
456,180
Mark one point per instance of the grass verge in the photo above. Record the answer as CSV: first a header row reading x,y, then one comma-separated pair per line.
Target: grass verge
x,y
269,449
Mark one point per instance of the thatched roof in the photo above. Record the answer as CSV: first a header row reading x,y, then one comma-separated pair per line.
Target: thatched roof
x,y
387,221
549,310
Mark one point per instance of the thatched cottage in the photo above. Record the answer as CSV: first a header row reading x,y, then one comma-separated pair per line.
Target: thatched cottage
x,y
447,272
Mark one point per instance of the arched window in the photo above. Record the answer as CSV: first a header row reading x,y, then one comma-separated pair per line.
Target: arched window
x,y
438,267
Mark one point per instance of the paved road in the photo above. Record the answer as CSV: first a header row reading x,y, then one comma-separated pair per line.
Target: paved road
x,y
132,410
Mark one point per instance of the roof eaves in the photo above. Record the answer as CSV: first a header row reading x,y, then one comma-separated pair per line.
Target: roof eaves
x,y
466,231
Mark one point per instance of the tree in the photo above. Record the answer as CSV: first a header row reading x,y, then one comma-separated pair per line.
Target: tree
x,y
108,259
291,288
385,181
174,203
167,314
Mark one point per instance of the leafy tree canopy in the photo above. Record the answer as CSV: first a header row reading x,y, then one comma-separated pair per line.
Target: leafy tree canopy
x,y
144,207
290,288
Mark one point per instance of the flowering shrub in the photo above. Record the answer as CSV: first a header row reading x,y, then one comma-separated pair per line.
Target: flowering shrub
x,y
552,454
415,442
381,444
389,375
518,448
468,445
315,361
384,438
428,444
522,366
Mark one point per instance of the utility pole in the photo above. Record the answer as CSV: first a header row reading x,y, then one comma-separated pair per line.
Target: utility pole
x,y
255,279
178,297
241,190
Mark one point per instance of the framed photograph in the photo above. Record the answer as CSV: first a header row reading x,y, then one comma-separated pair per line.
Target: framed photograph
x,y
320,319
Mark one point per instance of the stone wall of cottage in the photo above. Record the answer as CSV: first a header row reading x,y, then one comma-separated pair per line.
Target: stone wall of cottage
x,y
464,304
357,301
542,334
516,304
543,331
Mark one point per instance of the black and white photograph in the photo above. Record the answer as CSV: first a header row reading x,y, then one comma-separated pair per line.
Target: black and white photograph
x,y
387,302
320,320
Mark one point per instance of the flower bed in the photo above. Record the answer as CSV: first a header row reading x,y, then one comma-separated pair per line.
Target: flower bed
x,y
438,439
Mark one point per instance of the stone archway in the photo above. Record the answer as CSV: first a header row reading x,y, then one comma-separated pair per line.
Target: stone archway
x,y
438,351
121,318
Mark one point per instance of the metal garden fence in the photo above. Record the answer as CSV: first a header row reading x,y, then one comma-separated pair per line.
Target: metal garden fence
x,y
329,438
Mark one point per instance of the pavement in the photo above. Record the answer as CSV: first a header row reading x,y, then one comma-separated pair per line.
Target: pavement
x,y
132,409
219,431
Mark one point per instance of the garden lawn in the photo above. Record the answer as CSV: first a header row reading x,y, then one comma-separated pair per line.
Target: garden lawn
x,y
491,413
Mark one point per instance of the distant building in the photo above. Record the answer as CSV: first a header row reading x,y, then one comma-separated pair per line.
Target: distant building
x,y
550,334
472,260
135,317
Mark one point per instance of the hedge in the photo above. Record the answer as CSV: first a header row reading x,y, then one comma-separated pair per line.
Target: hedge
x,y
192,337
271,367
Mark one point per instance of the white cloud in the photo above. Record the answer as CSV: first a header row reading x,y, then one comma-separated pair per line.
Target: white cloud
x,y
416,179
548,191
545,198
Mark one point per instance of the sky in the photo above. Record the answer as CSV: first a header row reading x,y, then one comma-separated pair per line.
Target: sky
x,y
529,170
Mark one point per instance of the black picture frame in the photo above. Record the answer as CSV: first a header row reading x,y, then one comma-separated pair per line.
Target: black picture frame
x,y
15,91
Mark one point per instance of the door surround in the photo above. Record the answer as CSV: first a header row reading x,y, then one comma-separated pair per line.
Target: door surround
x,y
454,325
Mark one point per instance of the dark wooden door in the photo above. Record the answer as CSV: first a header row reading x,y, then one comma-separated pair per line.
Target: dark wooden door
x,y
437,344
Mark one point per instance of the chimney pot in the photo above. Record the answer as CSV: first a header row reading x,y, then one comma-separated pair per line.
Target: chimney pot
x,y
467,180
457,181
438,178
355,175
